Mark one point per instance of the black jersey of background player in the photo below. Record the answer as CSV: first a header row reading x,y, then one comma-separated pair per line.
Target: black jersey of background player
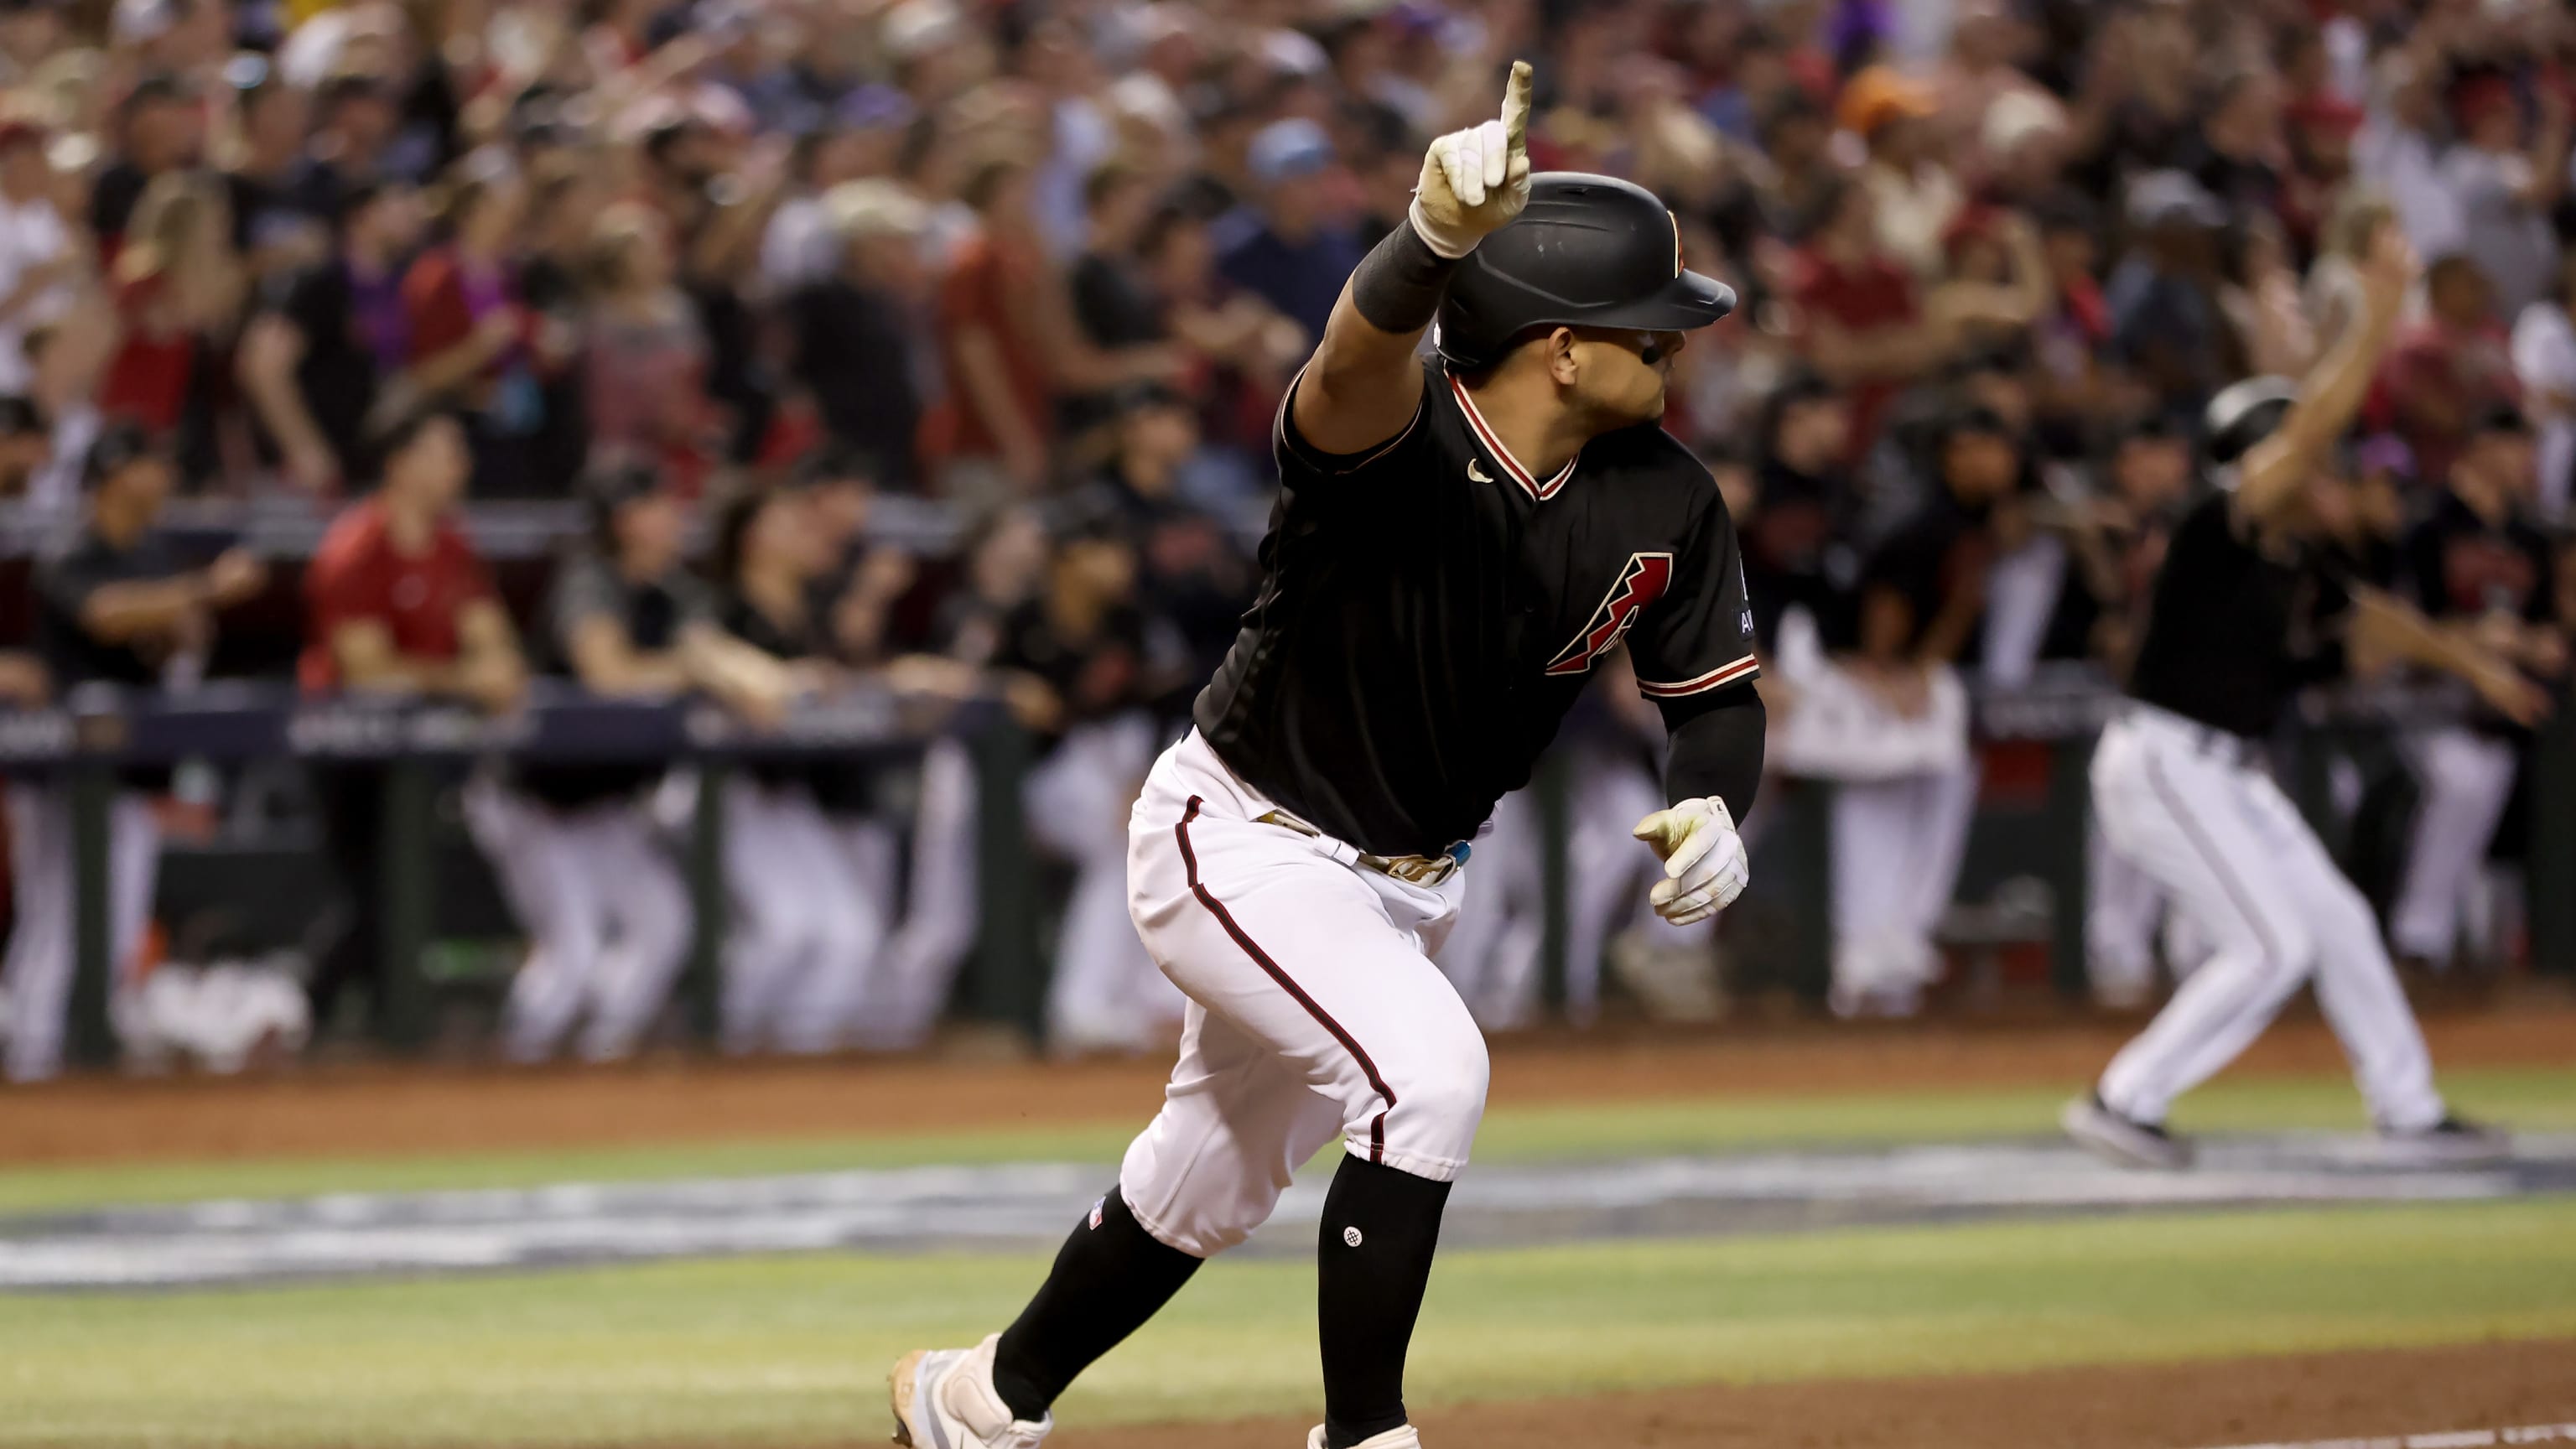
x,y
2464,567
1429,611
2238,626
588,587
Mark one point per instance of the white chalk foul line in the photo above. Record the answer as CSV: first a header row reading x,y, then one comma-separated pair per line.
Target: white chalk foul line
x,y
2454,1439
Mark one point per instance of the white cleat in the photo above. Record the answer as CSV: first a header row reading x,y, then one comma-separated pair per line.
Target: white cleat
x,y
1403,1438
944,1399
2122,1140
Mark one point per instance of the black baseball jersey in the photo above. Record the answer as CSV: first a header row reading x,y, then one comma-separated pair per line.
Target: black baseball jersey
x,y
2236,627
1429,610
654,614
64,584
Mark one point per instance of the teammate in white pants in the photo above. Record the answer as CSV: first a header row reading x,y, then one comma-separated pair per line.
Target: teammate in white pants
x,y
574,845
2248,608
804,934
2479,567
1455,546
116,608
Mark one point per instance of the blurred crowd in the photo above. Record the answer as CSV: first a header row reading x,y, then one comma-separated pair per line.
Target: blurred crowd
x,y
728,273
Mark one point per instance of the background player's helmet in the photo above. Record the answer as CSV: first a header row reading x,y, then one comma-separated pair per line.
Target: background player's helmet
x,y
2243,415
1588,251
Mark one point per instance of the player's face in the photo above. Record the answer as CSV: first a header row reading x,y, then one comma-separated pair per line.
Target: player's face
x,y
1620,377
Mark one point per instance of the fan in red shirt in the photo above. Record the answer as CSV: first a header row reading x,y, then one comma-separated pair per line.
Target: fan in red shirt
x,y
396,598
1861,319
396,603
2445,370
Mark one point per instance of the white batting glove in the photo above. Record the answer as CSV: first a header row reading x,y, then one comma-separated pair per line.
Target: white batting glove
x,y
1704,865
1475,180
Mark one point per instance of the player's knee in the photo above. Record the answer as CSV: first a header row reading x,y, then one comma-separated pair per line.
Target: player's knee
x,y
2289,948
1439,1105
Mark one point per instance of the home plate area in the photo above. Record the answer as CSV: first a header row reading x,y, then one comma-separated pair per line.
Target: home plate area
x,y
1028,1205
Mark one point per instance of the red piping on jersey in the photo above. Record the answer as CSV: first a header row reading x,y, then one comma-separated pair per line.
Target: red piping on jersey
x,y
1261,958
1743,668
1503,455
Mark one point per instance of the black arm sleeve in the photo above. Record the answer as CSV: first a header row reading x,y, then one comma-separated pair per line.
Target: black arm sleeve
x,y
1716,747
1399,284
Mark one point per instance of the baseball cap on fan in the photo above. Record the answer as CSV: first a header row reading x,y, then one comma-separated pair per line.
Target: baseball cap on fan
x,y
1290,148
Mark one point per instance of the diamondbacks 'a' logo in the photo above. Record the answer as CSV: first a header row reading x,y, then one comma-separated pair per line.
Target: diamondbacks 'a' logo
x,y
1641,583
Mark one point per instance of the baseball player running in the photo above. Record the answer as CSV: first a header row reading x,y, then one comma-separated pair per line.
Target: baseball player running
x,y
1455,544
2251,605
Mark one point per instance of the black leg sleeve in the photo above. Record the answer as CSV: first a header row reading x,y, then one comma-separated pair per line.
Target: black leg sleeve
x,y
1109,1277
1381,1227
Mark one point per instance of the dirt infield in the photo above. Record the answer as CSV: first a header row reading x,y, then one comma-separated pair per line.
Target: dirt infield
x,y
392,1110
2160,1406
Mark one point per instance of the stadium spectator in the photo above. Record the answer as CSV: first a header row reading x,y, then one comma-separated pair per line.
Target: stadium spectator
x,y
2166,319
645,355
575,846
2261,301
1797,554
2481,567
397,605
271,228
1083,674
1921,608
1913,196
468,337
118,607
161,134
39,264
2505,188
330,339
178,291
2544,362
803,936
2446,370
1290,245
856,325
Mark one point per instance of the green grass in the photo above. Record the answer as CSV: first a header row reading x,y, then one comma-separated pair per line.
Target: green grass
x,y
782,1349
2534,1100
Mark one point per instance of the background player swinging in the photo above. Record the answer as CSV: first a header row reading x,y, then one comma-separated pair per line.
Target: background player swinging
x,y
1456,544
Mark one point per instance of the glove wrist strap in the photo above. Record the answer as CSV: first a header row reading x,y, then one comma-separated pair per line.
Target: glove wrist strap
x,y
1451,243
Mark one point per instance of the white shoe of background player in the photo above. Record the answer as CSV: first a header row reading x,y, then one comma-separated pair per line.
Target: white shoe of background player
x,y
944,1399
1403,1438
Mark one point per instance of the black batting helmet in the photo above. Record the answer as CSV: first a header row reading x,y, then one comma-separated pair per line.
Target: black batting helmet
x,y
1588,251
2243,415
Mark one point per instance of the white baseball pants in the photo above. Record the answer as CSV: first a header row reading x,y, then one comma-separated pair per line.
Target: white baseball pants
x,y
37,972
1897,846
2468,780
1315,1010
805,929
2233,855
606,912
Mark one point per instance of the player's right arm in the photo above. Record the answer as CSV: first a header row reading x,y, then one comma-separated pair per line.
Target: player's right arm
x,y
2277,468
1363,386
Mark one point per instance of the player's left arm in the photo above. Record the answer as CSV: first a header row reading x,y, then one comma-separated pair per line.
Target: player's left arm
x,y
1363,385
1694,658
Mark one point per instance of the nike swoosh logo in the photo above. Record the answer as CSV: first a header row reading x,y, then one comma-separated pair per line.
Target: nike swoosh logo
x,y
1476,471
